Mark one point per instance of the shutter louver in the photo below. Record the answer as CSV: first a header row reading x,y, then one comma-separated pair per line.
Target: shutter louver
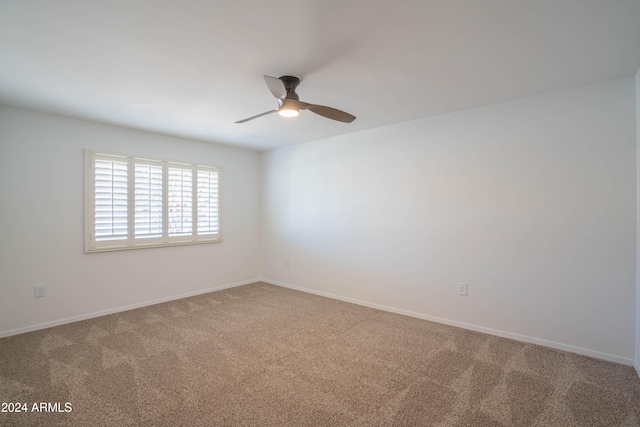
x,y
207,202
110,199
148,201
180,198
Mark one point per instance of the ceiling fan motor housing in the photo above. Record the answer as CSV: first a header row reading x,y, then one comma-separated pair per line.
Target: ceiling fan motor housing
x,y
290,84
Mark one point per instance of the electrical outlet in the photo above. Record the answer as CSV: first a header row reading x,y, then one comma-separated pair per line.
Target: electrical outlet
x,y
38,291
462,289
286,262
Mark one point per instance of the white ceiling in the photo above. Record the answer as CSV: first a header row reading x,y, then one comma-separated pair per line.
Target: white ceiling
x,y
192,68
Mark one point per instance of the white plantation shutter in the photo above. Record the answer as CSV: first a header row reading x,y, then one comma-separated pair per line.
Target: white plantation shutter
x,y
148,200
207,201
180,197
110,199
134,203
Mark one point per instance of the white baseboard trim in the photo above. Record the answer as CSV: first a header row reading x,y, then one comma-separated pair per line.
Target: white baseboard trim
x,y
490,331
53,323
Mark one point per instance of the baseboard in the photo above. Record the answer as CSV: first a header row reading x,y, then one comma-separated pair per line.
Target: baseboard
x,y
490,331
119,309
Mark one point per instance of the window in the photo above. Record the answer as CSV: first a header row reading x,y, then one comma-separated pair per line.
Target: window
x,y
134,203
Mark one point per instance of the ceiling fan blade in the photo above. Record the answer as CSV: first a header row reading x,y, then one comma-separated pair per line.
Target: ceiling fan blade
x,y
256,116
276,86
331,113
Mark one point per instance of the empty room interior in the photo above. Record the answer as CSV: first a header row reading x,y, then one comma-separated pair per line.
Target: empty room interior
x,y
333,213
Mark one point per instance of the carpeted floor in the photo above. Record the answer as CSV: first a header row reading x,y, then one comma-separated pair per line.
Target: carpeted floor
x,y
261,355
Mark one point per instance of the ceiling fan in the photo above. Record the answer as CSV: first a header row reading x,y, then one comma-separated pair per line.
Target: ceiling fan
x,y
289,104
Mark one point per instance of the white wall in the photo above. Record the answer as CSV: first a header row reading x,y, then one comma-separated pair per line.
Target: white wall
x,y
41,223
531,202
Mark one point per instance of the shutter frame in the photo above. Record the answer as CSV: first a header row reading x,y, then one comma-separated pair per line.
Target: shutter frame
x,y
209,208
148,201
127,203
103,217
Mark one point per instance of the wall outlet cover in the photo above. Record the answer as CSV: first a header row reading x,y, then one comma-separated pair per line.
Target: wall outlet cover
x,y
462,289
39,291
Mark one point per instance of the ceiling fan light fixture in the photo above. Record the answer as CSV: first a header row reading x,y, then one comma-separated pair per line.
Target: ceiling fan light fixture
x,y
289,108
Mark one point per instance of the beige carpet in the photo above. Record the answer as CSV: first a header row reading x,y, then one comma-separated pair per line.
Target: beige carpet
x,y
261,355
